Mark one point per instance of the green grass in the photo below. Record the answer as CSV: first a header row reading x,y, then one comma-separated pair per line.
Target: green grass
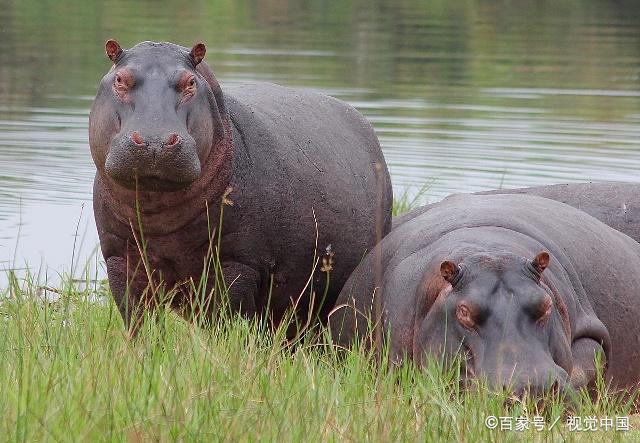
x,y
407,202
70,374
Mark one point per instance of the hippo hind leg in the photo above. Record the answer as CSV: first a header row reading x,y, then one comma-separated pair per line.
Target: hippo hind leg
x,y
242,284
584,352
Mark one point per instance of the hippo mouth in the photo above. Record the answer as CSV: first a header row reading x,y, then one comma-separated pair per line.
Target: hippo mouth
x,y
151,182
168,176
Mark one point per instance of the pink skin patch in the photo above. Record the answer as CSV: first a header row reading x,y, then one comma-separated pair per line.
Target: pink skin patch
x,y
137,138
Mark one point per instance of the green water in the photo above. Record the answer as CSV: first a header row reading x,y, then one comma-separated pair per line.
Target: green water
x,y
464,95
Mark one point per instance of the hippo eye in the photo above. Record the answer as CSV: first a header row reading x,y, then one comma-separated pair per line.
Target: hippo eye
x,y
544,310
188,87
465,317
119,82
120,86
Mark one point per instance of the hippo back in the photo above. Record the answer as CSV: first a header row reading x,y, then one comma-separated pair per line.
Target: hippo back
x,y
304,162
614,204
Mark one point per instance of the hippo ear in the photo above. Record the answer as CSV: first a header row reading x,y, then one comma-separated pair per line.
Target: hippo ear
x,y
113,49
197,52
540,262
450,271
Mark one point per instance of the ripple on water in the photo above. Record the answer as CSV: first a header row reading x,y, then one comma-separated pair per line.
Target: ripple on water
x,y
463,96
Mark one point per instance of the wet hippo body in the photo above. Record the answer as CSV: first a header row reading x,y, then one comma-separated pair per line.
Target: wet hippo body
x,y
528,289
173,148
615,204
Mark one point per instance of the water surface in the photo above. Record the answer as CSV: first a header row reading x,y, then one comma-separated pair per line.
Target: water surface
x,y
464,96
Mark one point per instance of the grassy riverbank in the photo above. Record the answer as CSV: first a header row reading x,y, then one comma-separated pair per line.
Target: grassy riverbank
x,y
70,374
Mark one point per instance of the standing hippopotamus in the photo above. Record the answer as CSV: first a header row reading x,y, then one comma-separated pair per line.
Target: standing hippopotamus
x,y
299,174
616,204
528,288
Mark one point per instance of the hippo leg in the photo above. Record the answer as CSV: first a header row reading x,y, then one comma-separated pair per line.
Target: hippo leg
x,y
242,288
242,282
127,292
584,369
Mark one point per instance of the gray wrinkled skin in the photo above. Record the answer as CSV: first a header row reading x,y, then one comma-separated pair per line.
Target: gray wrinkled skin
x,y
592,280
614,204
283,160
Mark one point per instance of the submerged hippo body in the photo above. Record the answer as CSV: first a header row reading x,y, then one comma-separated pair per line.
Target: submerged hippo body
x,y
616,204
173,148
527,288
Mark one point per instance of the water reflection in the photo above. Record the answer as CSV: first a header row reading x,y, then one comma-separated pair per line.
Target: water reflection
x,y
464,95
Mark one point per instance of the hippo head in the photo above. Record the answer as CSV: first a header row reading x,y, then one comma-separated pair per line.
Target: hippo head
x,y
508,325
155,118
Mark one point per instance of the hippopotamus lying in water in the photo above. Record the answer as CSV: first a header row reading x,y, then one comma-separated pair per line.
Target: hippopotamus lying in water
x,y
527,288
171,147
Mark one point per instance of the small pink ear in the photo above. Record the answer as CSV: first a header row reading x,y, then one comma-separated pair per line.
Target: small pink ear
x,y
541,261
449,271
113,49
197,52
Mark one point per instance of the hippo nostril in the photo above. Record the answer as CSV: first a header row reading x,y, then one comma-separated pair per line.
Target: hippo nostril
x,y
137,138
173,140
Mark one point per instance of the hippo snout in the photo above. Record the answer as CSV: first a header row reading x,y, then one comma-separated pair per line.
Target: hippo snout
x,y
535,381
554,381
153,162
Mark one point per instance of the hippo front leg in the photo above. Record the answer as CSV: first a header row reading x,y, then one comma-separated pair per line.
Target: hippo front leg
x,y
127,290
584,372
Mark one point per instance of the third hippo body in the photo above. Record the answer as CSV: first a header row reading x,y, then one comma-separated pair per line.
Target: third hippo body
x,y
592,284
615,204
283,161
